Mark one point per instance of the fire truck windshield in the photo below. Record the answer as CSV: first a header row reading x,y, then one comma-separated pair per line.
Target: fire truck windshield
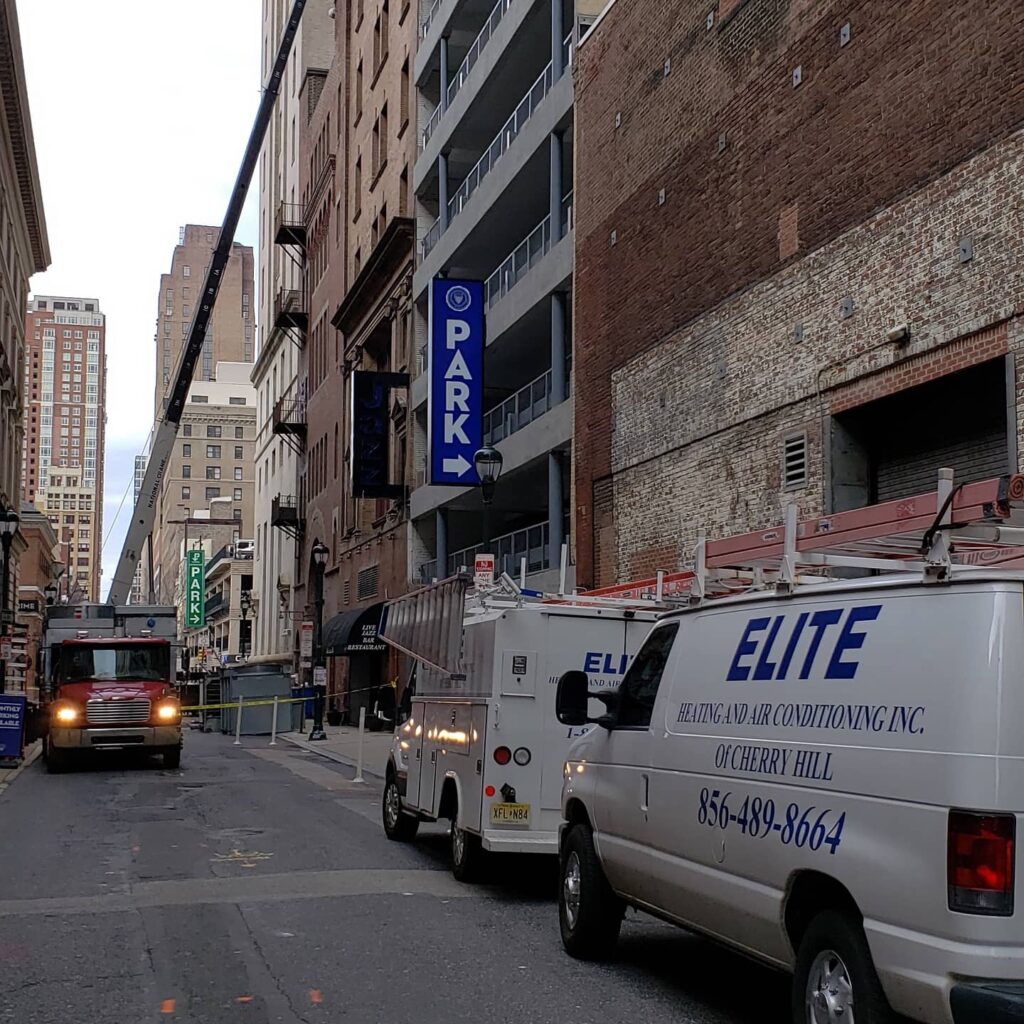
x,y
141,662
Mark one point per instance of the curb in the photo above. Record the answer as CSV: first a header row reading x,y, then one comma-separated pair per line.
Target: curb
x,y
33,753
330,755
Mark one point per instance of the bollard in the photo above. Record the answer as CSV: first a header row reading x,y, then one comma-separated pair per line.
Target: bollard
x,y
238,723
359,756
273,726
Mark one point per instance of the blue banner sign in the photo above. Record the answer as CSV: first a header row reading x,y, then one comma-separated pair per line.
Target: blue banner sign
x,y
455,419
371,429
12,724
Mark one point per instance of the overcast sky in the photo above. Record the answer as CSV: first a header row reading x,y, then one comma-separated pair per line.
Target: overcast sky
x,y
140,112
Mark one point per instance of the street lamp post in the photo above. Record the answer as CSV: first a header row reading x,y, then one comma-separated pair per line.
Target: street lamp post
x,y
8,527
320,554
488,461
246,606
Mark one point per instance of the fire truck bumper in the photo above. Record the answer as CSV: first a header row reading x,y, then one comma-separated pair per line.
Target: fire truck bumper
x,y
112,737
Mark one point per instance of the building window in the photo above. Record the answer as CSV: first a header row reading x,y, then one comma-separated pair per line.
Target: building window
x,y
212,492
238,472
213,431
238,451
213,472
236,401
213,451
239,433
186,492
238,494
186,271
359,90
186,472
403,98
186,430
236,514
186,451
204,400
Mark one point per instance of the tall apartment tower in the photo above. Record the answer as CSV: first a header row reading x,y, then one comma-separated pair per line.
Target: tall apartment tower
x,y
140,585
230,339
62,460
493,180
231,332
281,406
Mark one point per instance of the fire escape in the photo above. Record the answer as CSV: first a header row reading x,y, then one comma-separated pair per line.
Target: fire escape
x,y
291,319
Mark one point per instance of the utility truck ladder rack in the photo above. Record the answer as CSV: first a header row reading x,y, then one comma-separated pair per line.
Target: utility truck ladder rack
x,y
427,625
976,524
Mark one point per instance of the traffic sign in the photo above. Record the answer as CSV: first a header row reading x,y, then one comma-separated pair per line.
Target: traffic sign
x,y
320,676
456,398
483,570
306,640
195,589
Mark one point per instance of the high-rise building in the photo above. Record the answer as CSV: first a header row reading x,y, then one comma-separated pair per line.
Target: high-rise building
x,y
230,335
62,460
210,472
281,424
494,202
230,340
25,251
140,585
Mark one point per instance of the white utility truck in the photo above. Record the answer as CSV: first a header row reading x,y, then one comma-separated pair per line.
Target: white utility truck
x,y
483,747
825,773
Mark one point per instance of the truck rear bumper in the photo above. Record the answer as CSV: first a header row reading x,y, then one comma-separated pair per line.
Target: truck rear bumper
x,y
114,737
512,841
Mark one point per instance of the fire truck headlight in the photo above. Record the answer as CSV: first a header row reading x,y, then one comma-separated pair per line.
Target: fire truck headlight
x,y
168,712
66,714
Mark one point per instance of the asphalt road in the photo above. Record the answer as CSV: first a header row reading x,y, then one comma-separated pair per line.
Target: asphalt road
x,y
255,886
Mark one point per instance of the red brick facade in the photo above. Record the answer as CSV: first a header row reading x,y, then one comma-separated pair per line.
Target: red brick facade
x,y
774,131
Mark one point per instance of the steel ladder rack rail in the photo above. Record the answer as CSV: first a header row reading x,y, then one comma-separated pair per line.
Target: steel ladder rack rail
x,y
973,524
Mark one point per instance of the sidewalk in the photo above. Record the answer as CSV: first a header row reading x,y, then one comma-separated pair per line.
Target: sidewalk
x,y
8,775
342,745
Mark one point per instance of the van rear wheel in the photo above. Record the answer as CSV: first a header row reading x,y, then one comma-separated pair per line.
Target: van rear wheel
x,y
467,853
834,980
589,912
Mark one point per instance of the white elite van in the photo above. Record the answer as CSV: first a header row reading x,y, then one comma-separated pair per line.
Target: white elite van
x,y
828,777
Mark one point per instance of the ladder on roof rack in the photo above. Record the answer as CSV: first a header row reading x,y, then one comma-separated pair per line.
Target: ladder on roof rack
x,y
975,524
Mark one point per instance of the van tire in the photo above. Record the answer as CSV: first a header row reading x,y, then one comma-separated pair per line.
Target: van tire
x,y
837,934
467,853
399,827
590,929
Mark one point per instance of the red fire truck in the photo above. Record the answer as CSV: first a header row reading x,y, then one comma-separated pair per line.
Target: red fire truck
x,y
109,682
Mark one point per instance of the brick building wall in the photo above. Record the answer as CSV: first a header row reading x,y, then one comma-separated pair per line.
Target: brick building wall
x,y
808,153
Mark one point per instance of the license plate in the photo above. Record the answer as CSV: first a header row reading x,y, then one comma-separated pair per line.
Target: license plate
x,y
510,814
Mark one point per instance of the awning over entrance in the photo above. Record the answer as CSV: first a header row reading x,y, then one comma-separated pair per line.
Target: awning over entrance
x,y
354,632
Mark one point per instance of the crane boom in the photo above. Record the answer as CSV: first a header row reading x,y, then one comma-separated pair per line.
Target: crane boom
x,y
166,430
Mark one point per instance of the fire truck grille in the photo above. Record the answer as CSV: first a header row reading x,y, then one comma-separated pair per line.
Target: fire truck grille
x,y
117,712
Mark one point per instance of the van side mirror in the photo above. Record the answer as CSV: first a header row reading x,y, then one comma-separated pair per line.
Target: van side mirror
x,y
572,698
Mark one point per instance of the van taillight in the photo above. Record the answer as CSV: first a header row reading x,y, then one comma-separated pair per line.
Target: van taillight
x,y
980,863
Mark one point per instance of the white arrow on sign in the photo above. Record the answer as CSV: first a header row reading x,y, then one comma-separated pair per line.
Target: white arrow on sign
x,y
457,466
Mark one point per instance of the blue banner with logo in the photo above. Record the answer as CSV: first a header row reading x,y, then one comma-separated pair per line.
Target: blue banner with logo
x,y
455,415
12,724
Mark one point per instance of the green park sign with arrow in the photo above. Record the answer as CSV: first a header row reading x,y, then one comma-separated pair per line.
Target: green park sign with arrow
x,y
195,589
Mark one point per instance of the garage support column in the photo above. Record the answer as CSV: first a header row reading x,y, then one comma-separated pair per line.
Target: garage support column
x,y
441,528
557,35
442,189
444,73
555,510
559,392
555,187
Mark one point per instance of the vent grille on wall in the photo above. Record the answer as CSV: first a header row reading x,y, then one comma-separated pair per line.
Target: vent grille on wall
x,y
794,462
366,585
